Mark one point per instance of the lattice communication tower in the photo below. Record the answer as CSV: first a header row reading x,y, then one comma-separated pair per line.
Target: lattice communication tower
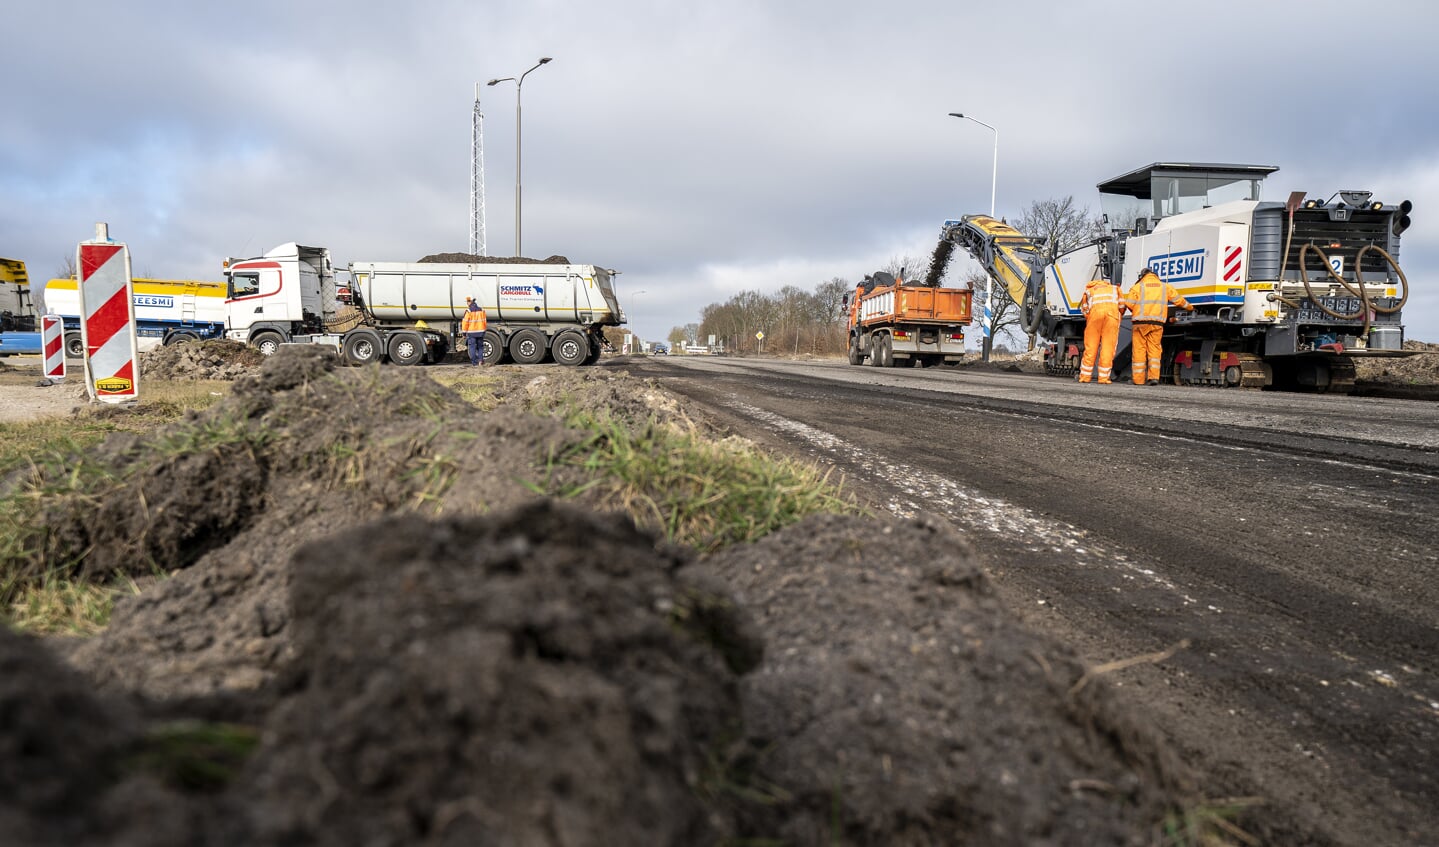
x,y
477,179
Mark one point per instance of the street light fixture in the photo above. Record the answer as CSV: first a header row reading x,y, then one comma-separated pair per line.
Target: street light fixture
x,y
994,172
519,84
993,184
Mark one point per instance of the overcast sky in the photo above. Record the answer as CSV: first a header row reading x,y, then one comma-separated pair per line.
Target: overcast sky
x,y
702,149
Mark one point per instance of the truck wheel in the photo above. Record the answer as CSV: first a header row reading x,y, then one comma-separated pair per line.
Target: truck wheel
x,y
570,348
856,356
74,345
407,348
266,342
493,349
361,348
180,337
593,356
881,353
527,347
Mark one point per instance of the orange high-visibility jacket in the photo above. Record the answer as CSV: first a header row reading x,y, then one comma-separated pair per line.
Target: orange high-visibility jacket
x,y
474,321
1100,296
1149,299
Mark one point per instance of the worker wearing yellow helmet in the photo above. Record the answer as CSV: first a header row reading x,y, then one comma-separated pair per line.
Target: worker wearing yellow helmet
x,y
1100,305
1148,300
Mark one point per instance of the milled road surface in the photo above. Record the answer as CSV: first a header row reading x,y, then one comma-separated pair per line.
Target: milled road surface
x,y
1292,541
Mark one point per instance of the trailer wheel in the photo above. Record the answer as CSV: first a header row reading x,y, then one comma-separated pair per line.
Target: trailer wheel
x,y
570,348
361,348
180,337
593,355
492,351
74,345
407,348
527,347
267,342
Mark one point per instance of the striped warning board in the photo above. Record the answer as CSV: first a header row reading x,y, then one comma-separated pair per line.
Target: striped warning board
x,y
107,321
52,344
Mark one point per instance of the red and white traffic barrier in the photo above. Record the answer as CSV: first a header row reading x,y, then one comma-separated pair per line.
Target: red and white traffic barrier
x,y
107,319
52,344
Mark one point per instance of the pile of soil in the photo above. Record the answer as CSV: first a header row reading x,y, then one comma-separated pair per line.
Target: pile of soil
x,y
375,631
1416,371
472,259
217,359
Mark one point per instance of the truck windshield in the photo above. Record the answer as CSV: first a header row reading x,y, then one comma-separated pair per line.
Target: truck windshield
x,y
1174,195
244,285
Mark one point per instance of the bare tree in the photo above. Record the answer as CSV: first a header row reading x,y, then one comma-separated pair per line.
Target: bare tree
x,y
1062,223
906,267
830,295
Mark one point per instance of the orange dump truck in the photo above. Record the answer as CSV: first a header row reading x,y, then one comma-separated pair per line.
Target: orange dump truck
x,y
896,325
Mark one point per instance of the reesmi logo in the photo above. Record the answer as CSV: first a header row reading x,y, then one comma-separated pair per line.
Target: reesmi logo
x,y
1178,267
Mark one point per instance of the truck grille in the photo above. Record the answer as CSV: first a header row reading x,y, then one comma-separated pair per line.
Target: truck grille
x,y
1313,226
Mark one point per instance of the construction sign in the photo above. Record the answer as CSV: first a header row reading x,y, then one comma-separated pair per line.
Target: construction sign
x,y
52,346
107,319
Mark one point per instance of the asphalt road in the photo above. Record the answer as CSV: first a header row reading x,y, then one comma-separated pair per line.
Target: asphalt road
x,y
1291,542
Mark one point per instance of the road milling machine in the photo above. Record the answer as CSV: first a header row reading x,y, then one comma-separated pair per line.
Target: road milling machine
x,y
1284,295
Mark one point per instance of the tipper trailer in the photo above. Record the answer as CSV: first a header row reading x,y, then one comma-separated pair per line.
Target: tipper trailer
x,y
409,312
1286,295
892,324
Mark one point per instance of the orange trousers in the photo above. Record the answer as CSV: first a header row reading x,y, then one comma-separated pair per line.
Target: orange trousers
x,y
1101,335
1145,346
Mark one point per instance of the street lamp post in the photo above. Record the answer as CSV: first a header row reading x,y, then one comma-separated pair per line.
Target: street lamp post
x,y
993,184
519,84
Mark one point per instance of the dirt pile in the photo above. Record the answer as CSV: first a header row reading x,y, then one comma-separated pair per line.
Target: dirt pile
x,y
390,638
472,259
899,701
218,359
1413,374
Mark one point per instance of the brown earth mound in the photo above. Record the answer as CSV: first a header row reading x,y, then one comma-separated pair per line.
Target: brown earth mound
x,y
199,360
472,259
900,703
390,638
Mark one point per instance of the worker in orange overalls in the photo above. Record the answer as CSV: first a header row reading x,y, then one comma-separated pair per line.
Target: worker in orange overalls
x,y
1148,300
473,324
1100,305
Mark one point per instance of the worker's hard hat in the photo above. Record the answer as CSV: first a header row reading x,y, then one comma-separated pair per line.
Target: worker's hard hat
x,y
469,299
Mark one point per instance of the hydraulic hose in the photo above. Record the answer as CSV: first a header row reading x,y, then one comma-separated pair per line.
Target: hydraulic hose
x,y
1403,281
1284,261
1363,296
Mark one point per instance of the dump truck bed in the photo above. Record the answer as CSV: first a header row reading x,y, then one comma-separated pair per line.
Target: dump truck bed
x,y
916,304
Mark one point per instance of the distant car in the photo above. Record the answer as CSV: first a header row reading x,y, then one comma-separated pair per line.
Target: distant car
x,y
661,350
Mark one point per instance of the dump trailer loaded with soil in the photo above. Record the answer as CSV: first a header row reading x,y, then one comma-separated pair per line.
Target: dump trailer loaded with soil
x,y
346,650
409,313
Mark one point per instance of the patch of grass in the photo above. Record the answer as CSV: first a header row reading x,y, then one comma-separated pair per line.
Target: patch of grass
x,y
161,402
194,755
707,494
1209,824
477,389
57,604
47,470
